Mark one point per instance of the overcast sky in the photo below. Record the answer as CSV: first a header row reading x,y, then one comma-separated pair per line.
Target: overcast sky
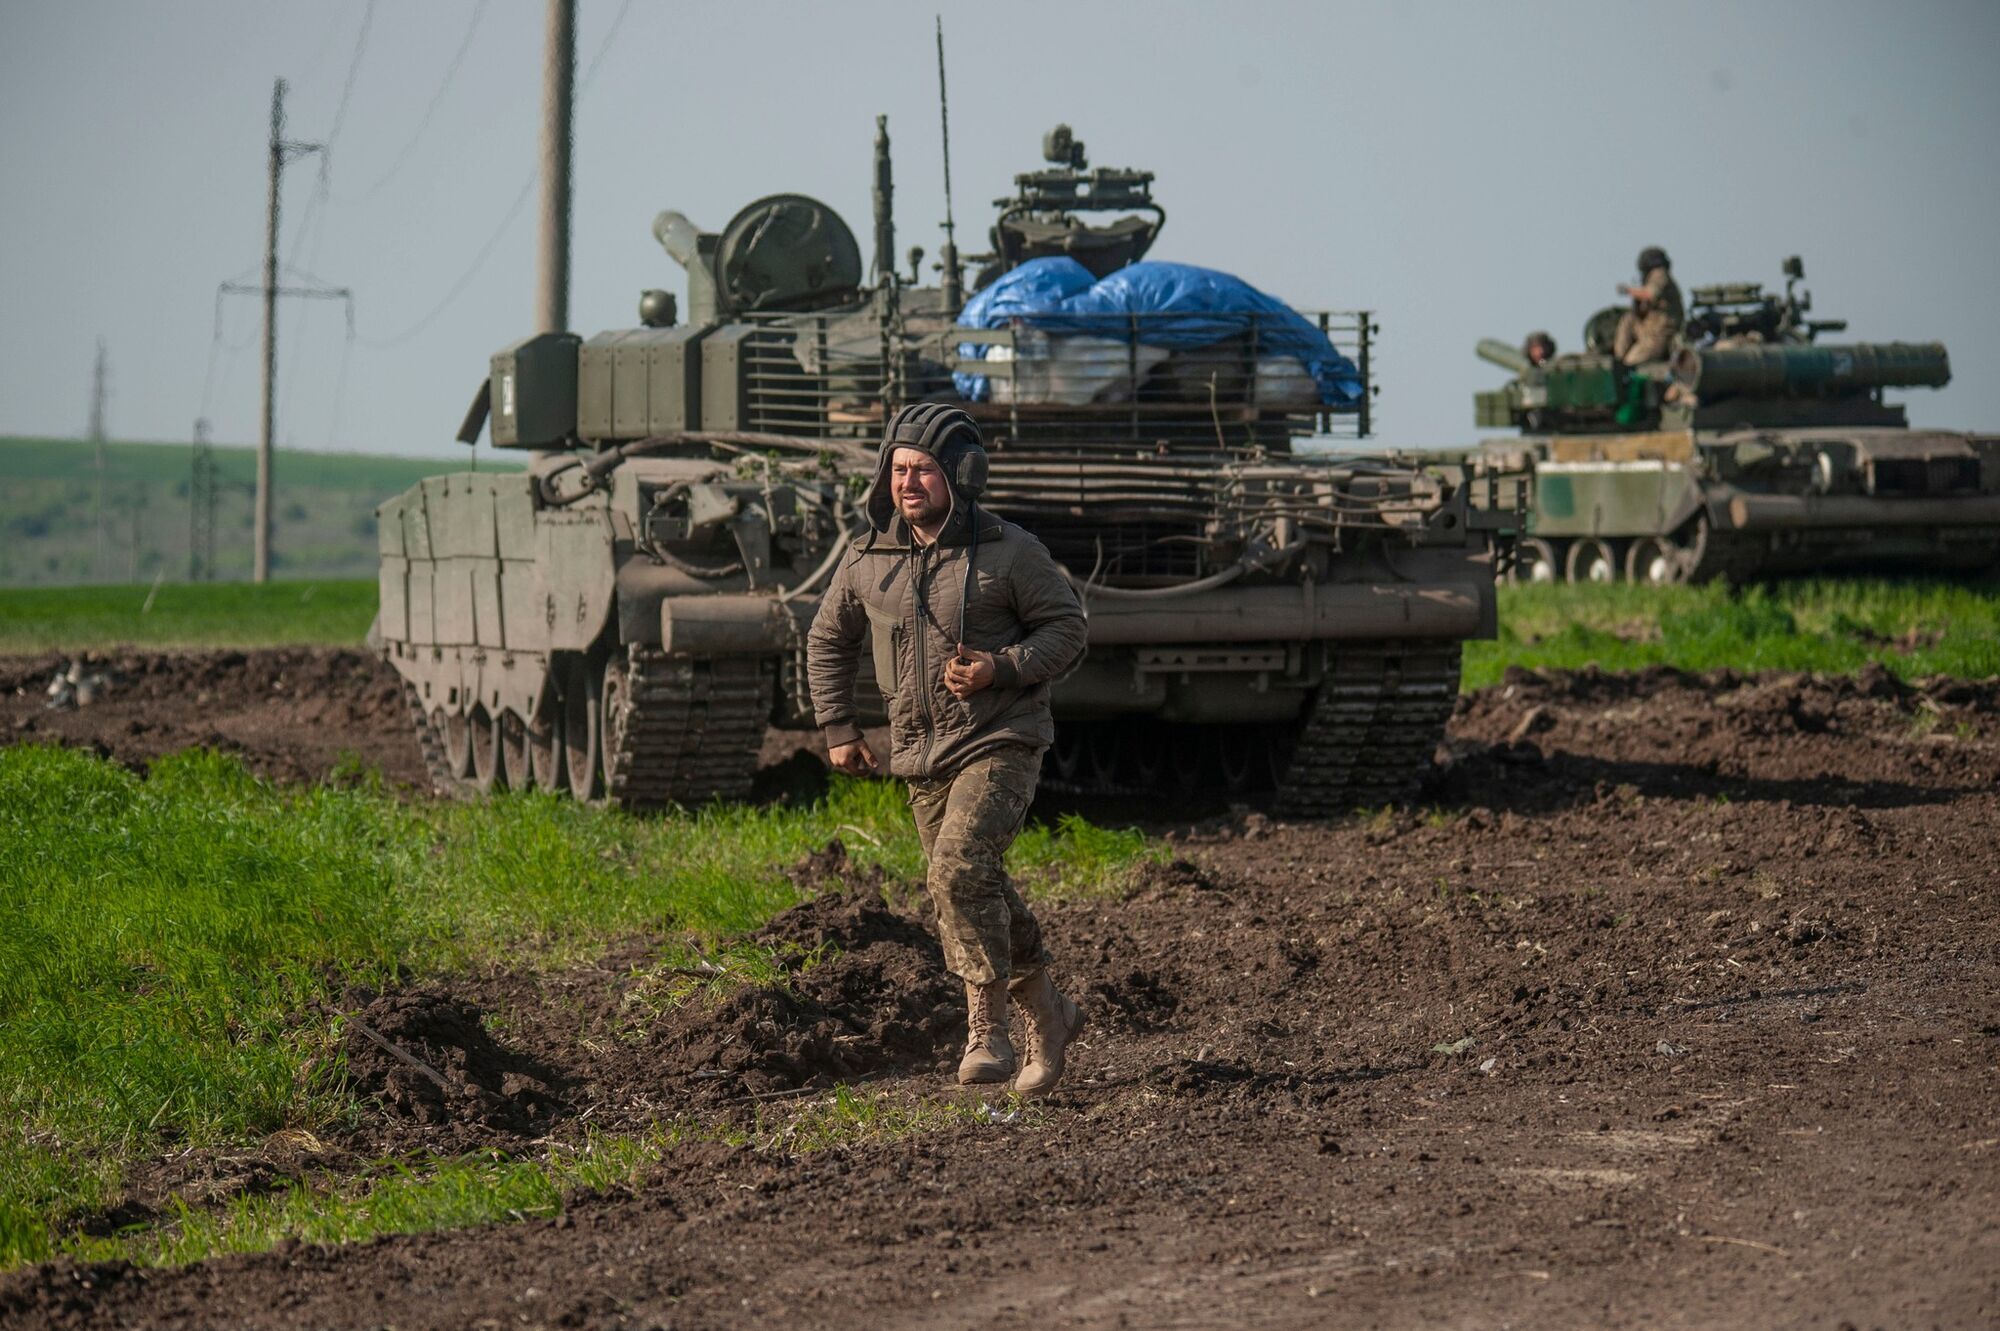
x,y
1463,169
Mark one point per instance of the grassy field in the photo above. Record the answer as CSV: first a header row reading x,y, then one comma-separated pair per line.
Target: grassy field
x,y
53,530
169,936
181,614
1913,627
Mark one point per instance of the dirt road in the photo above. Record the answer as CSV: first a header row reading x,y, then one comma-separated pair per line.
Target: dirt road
x,y
1682,1010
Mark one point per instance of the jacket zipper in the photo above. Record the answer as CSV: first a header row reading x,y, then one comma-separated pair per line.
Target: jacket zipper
x,y
917,651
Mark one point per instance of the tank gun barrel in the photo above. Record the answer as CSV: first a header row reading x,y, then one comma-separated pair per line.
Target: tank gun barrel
x,y
679,237
1504,354
1788,367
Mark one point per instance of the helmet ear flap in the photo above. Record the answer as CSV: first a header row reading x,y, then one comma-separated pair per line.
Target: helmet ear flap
x,y
969,470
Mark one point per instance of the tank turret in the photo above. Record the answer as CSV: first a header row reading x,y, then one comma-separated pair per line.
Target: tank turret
x,y
1048,213
1754,447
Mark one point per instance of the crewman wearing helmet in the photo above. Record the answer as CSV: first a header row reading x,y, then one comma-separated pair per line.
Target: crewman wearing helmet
x,y
970,620
1646,332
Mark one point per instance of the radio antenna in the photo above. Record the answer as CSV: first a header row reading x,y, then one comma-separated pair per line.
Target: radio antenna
x,y
954,280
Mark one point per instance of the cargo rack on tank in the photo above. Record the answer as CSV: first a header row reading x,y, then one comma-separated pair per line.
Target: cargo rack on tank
x,y
829,375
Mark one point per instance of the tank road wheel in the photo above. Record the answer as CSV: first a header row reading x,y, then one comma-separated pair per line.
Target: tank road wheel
x,y
1592,559
1236,756
1279,741
488,776
1101,749
515,763
1065,756
545,748
1537,561
1146,755
1655,561
614,709
1184,759
456,729
582,738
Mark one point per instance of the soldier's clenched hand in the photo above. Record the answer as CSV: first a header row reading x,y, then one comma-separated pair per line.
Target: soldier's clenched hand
x,y
968,672
856,759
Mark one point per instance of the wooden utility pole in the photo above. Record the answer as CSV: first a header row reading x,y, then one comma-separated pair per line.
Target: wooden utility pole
x,y
260,568
282,151
558,98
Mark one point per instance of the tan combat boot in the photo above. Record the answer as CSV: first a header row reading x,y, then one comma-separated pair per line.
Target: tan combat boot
x,y
989,1054
1053,1021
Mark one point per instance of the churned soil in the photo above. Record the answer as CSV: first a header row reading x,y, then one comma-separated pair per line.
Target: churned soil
x,y
1675,1002
291,714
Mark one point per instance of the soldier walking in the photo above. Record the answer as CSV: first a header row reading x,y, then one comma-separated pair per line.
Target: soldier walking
x,y
1647,331
970,620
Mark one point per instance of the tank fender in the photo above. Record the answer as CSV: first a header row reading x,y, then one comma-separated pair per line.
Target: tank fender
x,y
510,681
732,625
643,586
573,550
1681,510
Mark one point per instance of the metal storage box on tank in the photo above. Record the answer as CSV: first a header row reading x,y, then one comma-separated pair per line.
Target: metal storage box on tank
x,y
723,377
534,391
640,381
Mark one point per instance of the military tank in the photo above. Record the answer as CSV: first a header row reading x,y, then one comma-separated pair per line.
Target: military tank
x,y
1756,448
623,619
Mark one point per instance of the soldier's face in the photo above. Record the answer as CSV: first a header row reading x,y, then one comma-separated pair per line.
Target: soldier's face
x,y
922,496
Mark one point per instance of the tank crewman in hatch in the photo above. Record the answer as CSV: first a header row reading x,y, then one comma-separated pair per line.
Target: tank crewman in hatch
x,y
1539,348
1647,330
970,620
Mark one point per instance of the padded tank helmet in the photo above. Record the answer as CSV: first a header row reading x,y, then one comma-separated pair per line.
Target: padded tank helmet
x,y
948,434
1653,257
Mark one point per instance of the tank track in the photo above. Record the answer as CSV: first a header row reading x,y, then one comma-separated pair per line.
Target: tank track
x,y
1378,717
430,744
1733,558
683,731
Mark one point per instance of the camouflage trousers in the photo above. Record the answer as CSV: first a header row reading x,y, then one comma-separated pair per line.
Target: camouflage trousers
x,y
966,822
1642,337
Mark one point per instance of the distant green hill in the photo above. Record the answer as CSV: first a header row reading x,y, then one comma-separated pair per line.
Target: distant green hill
x,y
324,526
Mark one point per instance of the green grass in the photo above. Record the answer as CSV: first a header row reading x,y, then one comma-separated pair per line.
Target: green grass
x,y
401,1197
1913,628
169,936
61,523
236,614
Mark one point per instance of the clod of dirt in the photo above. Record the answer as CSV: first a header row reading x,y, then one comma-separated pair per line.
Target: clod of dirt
x,y
428,1057
1172,877
829,869
879,999
1139,1001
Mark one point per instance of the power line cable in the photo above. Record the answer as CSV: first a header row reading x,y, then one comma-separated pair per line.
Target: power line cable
x,y
465,279
437,99
323,48
340,383
312,218
353,69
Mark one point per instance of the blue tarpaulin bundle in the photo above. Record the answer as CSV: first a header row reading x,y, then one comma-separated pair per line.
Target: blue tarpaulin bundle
x,y
1180,307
